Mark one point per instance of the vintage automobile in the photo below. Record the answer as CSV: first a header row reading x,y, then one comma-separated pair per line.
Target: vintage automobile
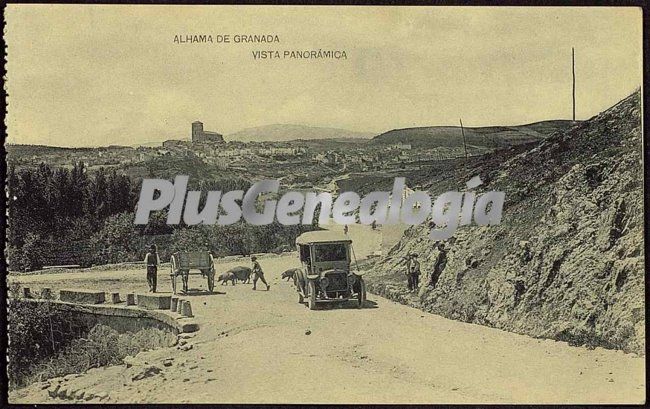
x,y
326,275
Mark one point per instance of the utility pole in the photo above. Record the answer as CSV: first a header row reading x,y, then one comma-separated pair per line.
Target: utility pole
x,y
573,70
463,132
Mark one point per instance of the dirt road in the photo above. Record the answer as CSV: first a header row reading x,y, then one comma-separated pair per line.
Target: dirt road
x,y
264,347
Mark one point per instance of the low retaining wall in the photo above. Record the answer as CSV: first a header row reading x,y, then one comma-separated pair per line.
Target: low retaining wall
x,y
122,318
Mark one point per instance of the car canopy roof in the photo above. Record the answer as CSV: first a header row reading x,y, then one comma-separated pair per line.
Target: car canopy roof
x,y
322,236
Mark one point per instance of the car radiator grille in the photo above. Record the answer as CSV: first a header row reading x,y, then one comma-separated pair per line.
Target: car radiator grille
x,y
338,282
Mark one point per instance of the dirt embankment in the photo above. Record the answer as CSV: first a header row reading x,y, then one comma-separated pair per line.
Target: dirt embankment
x,y
567,261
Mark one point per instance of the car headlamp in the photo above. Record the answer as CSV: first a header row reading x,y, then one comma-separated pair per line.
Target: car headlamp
x,y
324,281
352,279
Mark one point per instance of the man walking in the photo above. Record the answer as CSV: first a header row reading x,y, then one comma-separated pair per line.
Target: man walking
x,y
258,274
151,260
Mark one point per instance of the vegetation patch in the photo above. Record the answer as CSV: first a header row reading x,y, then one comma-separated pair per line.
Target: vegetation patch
x,y
44,343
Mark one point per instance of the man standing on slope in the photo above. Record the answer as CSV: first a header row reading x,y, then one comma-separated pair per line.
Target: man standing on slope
x,y
258,273
439,265
407,272
414,271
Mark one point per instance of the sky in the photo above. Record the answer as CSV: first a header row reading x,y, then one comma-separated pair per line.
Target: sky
x,y
97,75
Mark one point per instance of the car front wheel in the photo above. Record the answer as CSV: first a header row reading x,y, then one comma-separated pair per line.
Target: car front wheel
x,y
361,296
311,294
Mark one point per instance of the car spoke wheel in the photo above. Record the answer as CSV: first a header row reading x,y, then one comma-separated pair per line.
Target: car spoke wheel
x,y
361,297
312,295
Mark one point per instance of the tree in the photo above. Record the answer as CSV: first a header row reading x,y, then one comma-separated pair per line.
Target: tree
x,y
117,241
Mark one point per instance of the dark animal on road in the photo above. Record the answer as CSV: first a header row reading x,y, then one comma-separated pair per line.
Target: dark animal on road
x,y
289,274
225,277
241,273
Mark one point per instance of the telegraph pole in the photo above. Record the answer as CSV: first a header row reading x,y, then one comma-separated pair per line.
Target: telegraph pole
x,y
463,132
573,70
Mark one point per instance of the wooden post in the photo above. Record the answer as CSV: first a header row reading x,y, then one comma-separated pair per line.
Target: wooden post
x,y
573,71
463,132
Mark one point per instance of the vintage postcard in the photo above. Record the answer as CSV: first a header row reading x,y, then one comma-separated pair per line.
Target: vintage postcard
x,y
333,204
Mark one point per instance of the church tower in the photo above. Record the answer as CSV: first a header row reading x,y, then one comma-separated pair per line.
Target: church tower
x,y
197,131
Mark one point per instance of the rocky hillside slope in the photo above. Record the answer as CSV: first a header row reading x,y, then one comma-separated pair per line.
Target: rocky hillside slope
x,y
567,261
490,136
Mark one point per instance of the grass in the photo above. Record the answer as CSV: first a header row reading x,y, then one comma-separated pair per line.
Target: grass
x,y
102,346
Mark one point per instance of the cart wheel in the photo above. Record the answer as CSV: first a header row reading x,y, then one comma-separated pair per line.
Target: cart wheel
x,y
172,275
311,301
210,282
361,297
186,278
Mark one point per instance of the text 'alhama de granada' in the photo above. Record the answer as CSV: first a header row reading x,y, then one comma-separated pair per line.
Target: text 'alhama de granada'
x,y
225,38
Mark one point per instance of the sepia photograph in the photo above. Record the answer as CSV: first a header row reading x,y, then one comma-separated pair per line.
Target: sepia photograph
x,y
292,204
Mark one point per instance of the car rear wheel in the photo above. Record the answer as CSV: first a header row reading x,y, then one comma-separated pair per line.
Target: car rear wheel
x,y
211,282
361,297
311,301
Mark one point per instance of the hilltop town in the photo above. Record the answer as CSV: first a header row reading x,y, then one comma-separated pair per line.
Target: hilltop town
x,y
300,163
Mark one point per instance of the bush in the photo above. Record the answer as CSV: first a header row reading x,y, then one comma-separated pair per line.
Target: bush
x,y
44,343
28,257
117,241
36,331
102,346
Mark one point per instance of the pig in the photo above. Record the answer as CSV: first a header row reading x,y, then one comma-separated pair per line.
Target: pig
x,y
241,273
225,277
289,274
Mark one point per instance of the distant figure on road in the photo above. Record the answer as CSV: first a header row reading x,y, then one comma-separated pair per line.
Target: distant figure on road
x,y
152,261
439,265
414,271
259,274
345,229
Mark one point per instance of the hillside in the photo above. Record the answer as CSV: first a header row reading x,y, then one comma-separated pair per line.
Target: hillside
x,y
18,150
493,136
567,261
289,132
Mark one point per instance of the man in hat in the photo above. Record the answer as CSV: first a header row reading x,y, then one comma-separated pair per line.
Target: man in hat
x,y
414,271
151,260
258,274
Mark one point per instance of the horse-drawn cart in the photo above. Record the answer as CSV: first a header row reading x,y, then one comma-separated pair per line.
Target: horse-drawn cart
x,y
184,261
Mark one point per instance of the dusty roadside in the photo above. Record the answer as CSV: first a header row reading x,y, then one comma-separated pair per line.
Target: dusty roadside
x,y
264,347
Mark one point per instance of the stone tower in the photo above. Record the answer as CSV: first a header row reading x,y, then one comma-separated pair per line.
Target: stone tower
x,y
197,131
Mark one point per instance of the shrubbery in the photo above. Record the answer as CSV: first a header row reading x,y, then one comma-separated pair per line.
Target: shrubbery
x,y
101,347
61,216
45,344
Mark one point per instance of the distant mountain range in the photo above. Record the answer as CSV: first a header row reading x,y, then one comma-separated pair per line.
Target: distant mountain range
x,y
427,136
491,136
290,132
